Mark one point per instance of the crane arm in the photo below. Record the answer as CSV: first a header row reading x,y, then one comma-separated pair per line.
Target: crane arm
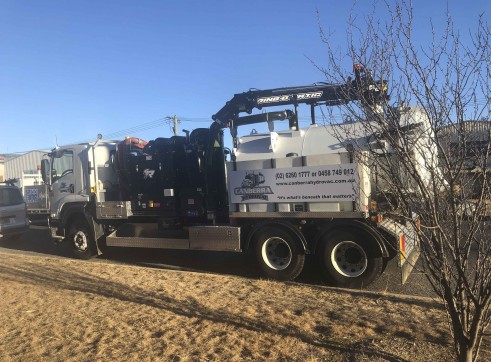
x,y
363,88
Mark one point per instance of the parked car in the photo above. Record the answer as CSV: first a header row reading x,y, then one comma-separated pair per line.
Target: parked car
x,y
13,213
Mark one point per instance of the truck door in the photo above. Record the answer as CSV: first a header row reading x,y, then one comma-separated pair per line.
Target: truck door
x,y
62,177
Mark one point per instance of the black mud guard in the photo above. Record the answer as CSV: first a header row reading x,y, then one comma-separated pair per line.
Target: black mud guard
x,y
79,210
282,223
353,224
68,211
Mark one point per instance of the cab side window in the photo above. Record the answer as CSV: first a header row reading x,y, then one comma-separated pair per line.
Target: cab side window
x,y
62,165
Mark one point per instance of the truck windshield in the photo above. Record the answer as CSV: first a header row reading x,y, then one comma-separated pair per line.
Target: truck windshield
x,y
62,164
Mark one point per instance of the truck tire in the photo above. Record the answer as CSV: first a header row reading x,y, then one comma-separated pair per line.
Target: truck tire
x,y
349,259
279,253
81,242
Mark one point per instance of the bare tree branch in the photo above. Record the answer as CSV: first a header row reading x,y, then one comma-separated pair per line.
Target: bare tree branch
x,y
438,167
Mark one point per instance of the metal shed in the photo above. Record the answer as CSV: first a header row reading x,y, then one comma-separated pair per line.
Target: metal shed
x,y
16,166
475,134
473,138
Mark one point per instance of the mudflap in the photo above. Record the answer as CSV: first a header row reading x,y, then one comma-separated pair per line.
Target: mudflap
x,y
406,239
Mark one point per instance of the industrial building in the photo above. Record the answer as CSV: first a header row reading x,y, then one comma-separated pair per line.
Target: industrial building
x,y
471,139
2,167
472,136
26,167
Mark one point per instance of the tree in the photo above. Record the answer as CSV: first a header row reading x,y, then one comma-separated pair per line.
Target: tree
x,y
438,168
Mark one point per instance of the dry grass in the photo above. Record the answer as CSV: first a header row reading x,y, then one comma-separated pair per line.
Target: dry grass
x,y
67,310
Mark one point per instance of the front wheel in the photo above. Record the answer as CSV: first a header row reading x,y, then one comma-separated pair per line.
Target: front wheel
x,y
279,254
350,260
81,242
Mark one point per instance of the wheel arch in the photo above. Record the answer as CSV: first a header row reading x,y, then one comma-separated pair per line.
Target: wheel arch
x,y
78,211
249,241
351,225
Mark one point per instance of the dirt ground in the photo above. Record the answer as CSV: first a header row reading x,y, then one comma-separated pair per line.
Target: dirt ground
x,y
57,309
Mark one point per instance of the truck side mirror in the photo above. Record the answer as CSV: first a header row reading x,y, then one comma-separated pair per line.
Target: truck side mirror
x,y
45,171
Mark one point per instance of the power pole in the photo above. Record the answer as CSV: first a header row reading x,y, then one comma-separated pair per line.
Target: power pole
x,y
175,127
175,123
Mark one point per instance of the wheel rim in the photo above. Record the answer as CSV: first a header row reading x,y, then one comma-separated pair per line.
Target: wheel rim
x,y
349,259
276,253
80,241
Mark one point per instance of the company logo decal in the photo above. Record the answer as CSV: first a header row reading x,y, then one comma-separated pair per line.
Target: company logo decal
x,y
250,189
289,97
147,173
64,187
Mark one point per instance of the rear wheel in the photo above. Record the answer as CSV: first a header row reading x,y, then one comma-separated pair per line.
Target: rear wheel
x,y
82,245
279,253
350,260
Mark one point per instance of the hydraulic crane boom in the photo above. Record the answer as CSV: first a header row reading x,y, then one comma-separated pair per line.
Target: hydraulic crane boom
x,y
363,88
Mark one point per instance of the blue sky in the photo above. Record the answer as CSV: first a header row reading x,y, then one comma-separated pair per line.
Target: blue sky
x,y
72,69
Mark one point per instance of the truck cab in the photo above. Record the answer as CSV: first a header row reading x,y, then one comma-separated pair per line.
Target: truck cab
x,y
77,174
